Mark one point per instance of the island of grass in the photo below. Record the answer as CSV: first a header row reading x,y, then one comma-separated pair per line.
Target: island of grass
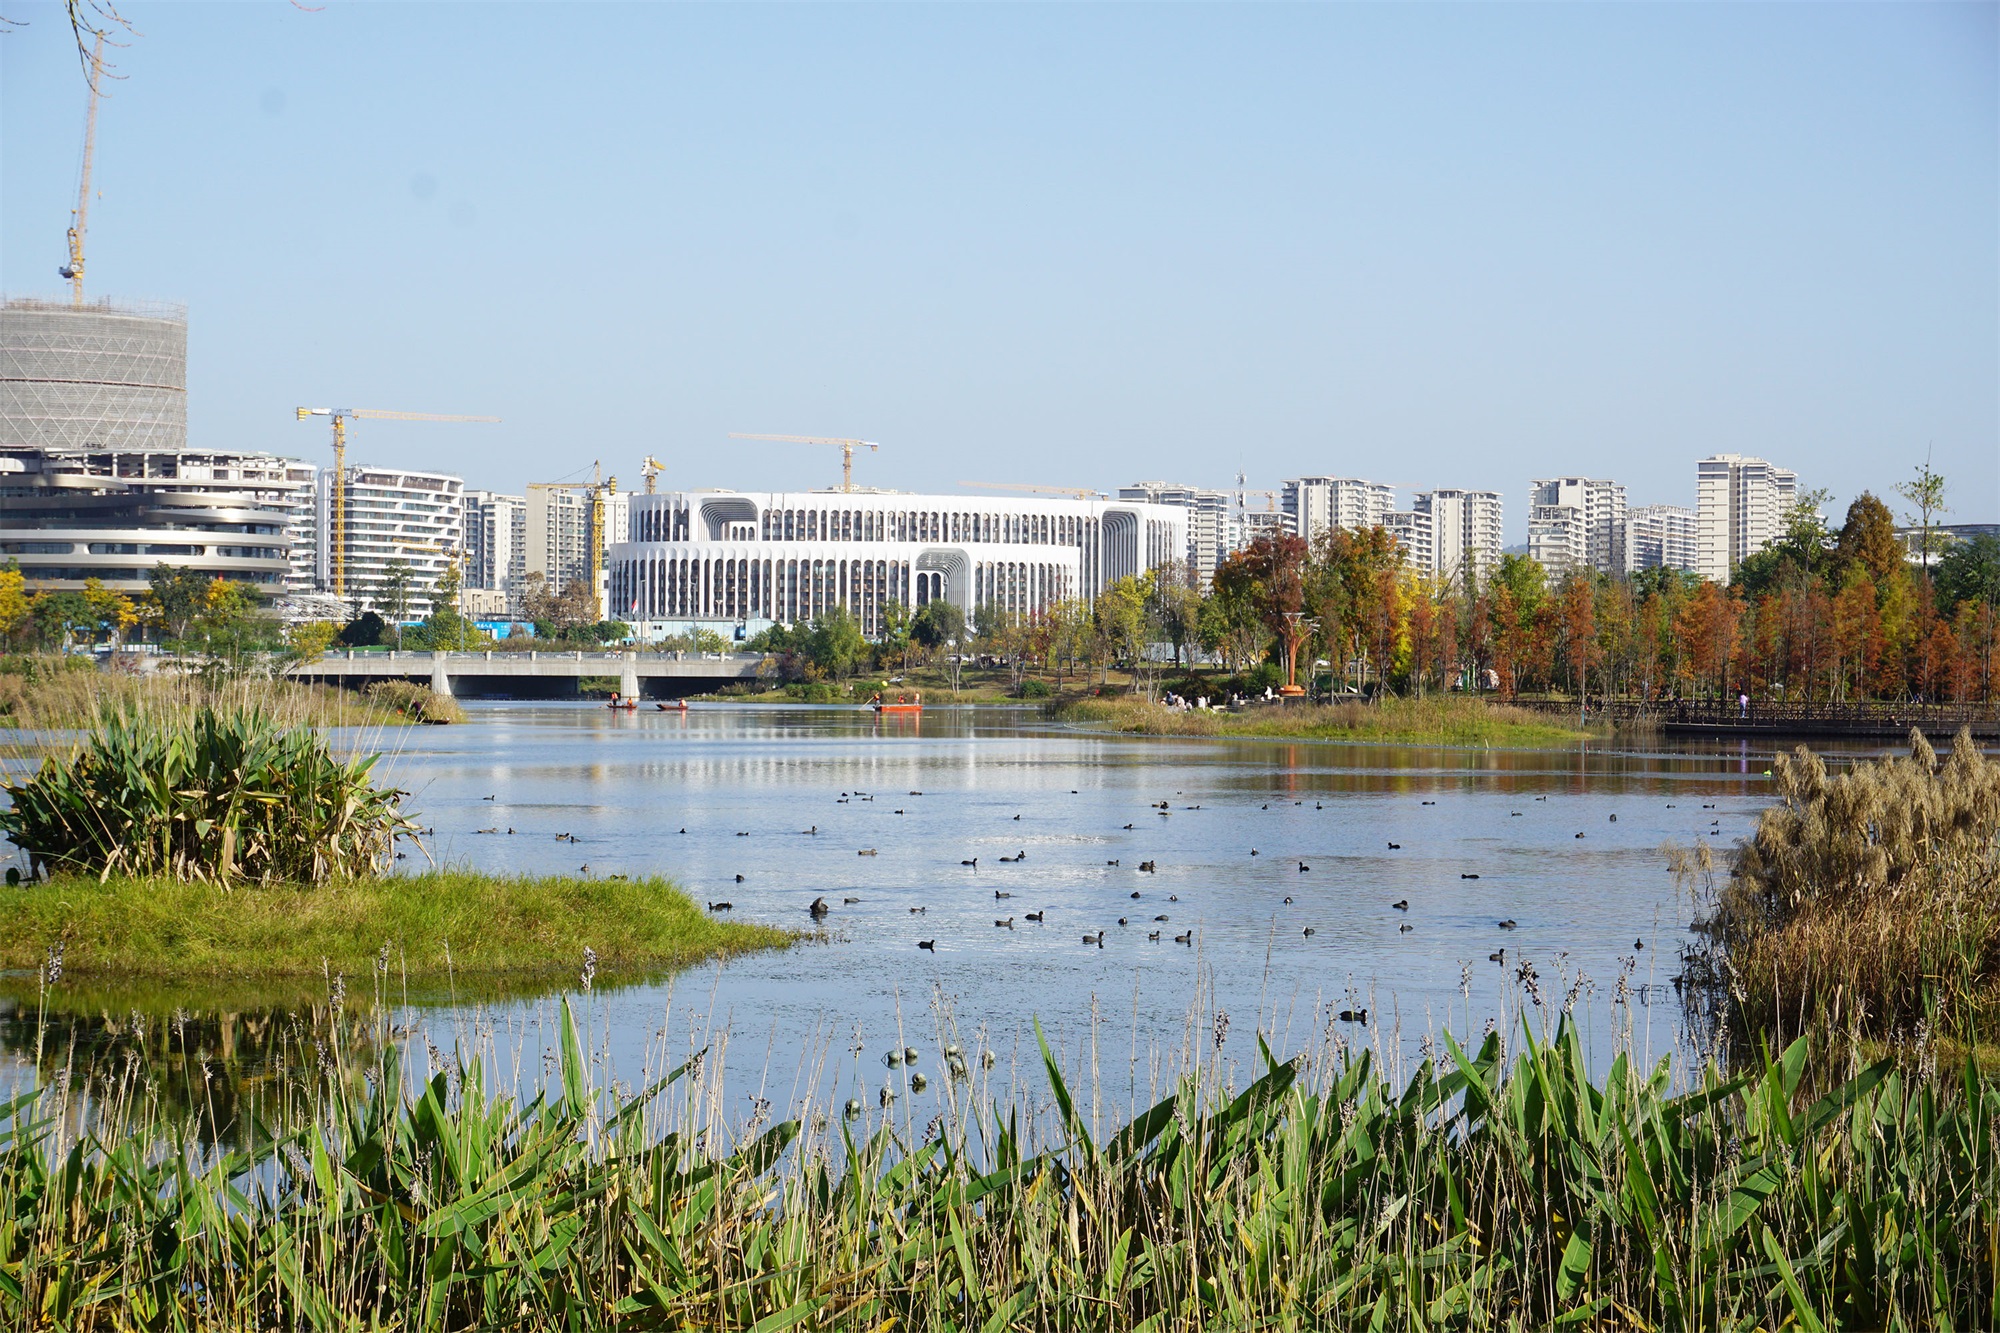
x,y
1431,721
446,928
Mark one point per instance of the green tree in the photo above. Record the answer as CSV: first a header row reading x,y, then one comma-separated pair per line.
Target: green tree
x,y
936,624
446,627
174,598
393,600
1969,571
1176,606
836,644
58,617
1925,493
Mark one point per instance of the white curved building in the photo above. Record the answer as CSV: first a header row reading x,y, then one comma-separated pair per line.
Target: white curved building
x,y
755,558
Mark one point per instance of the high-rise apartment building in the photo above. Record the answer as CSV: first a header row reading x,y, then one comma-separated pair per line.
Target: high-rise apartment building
x,y
1315,504
1663,536
496,546
558,532
394,514
1740,508
1579,523
1208,521
1413,532
1465,534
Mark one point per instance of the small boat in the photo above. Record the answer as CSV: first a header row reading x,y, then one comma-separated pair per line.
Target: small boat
x,y
901,705
620,701
677,706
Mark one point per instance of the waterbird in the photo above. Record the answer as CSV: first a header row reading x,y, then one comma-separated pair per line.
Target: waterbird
x,y
918,1083
1097,939
1008,923
1147,867
739,879
486,798
916,793
887,1095
1187,939
486,830
1111,863
850,901
742,835
1123,922
1513,814
1541,798
1509,924
918,911
892,1057
1253,851
1395,846
899,812
583,869
1500,957
812,832
997,894
866,851
1579,835
1354,1015
818,908
1614,818
1135,893
1173,897
1465,876
853,1107
927,944
1638,944
1288,897
1161,917
1017,816
1308,932
1037,916
684,830
1128,826
1153,935
721,907
1402,906
1430,802
1303,867
974,863
1405,928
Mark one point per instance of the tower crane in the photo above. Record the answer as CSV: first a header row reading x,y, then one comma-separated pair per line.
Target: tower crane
x,y
79,220
1076,492
341,416
847,448
600,488
650,469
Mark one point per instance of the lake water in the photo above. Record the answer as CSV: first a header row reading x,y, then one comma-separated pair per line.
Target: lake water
x,y
1252,844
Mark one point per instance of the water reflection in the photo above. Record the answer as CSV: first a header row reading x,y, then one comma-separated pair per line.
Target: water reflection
x,y
1258,843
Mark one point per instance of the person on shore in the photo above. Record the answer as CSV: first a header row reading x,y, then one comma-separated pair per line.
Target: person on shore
x,y
1742,704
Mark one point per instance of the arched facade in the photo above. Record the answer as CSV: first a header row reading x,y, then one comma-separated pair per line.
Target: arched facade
x,y
754,558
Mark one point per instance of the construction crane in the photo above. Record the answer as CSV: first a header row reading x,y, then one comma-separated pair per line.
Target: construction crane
x,y
650,469
1076,492
847,448
341,416
79,220
600,488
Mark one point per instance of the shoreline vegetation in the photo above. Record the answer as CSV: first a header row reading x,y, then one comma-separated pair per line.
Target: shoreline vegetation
x,y
1498,1185
1450,721
67,694
427,929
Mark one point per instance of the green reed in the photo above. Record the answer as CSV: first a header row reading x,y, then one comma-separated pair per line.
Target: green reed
x,y
214,792
1484,1191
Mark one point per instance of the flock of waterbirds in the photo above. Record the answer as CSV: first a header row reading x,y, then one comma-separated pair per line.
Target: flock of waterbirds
x,y
820,909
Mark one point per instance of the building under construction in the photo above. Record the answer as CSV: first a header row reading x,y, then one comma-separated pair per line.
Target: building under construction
x,y
108,375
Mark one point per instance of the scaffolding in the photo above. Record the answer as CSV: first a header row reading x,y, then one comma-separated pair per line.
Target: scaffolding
x,y
102,375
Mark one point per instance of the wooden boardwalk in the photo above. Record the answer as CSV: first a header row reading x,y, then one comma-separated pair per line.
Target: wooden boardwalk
x,y
1719,717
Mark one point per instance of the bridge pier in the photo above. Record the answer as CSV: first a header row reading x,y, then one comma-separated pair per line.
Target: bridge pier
x,y
628,676
440,678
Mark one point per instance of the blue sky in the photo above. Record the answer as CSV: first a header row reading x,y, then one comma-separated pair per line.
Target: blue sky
x,y
1432,245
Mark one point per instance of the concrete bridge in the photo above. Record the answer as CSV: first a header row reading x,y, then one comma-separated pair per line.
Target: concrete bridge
x,y
535,675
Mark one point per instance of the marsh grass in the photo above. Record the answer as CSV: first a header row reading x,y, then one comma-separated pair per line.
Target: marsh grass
x,y
481,929
1435,720
1865,905
1485,1189
66,694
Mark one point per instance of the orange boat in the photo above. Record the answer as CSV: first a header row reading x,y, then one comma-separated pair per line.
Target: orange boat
x,y
677,706
901,705
620,701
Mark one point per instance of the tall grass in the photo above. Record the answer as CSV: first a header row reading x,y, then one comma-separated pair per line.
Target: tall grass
x,y
1434,720
210,793
1867,902
62,694
1482,1192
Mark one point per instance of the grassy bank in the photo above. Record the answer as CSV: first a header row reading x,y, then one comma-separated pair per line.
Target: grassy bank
x,y
46,694
1485,1192
1432,721
434,926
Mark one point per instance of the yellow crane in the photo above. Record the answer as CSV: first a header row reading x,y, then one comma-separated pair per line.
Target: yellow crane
x,y
1075,492
79,220
341,416
650,469
847,448
600,488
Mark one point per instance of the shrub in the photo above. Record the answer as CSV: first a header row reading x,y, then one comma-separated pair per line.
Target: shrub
x,y
419,703
1034,689
211,794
